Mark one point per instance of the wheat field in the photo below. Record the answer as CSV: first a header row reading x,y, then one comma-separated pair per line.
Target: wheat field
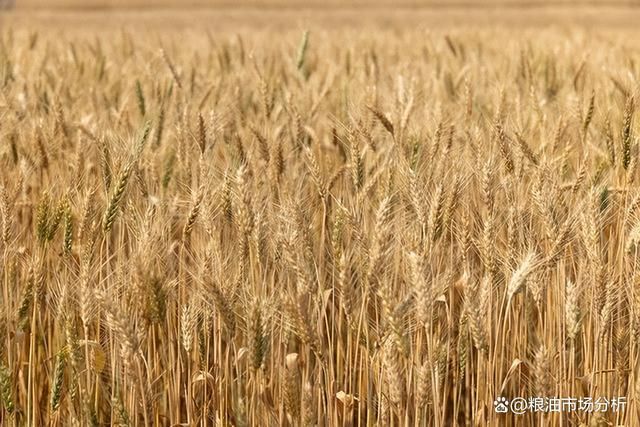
x,y
346,225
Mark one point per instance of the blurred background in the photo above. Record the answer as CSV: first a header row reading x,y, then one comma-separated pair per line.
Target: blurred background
x,y
237,15
97,4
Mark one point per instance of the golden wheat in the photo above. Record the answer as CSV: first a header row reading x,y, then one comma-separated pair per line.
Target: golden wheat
x,y
351,228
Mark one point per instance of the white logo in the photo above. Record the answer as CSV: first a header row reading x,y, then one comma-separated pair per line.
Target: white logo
x,y
501,405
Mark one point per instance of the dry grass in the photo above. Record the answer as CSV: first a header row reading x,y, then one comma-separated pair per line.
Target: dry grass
x,y
336,228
